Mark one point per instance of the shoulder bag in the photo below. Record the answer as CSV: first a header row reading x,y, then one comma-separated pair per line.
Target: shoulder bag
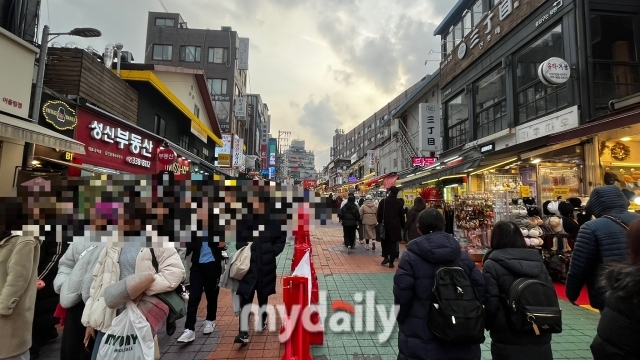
x,y
175,302
380,227
240,262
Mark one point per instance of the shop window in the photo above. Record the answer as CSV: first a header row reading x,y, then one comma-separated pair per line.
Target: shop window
x,y
184,141
160,126
164,22
217,86
162,52
477,12
616,68
218,55
457,120
491,104
190,53
534,99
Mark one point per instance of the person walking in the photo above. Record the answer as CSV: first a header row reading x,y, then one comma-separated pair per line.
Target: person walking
x,y
368,212
263,227
412,290
600,243
619,326
508,261
360,227
411,226
391,213
349,217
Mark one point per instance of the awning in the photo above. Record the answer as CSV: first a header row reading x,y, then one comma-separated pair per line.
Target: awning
x,y
389,181
77,166
459,169
378,179
22,129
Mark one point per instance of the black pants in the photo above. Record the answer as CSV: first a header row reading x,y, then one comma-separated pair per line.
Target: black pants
x,y
262,301
203,276
72,346
389,250
44,324
361,231
349,235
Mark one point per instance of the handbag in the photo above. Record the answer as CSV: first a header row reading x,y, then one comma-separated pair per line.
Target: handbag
x,y
129,337
380,227
240,262
175,302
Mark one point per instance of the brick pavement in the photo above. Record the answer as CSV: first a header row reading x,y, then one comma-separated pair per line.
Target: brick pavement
x,y
341,275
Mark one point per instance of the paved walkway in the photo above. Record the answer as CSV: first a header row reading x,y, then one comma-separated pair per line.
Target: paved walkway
x,y
341,275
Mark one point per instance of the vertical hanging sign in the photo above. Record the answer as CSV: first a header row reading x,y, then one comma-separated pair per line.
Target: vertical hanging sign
x,y
429,129
243,54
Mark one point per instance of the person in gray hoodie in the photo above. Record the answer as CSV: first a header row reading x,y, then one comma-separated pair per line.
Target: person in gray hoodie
x,y
600,242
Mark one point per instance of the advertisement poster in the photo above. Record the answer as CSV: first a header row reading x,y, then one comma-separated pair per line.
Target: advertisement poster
x,y
223,154
238,156
272,153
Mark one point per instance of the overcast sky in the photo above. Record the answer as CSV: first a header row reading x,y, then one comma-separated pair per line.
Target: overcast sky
x,y
318,64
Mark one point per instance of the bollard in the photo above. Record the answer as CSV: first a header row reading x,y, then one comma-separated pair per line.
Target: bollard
x,y
295,294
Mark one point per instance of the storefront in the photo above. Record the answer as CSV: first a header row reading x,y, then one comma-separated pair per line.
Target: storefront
x,y
114,146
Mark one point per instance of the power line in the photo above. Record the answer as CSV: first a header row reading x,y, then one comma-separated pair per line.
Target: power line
x,y
161,3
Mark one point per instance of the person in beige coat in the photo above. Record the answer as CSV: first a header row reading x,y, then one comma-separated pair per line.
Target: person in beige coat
x,y
19,257
368,212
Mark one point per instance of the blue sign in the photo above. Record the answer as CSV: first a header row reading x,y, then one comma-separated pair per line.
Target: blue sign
x,y
265,171
272,172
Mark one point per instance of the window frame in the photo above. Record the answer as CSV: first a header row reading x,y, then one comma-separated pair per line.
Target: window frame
x,y
173,22
153,54
533,87
491,109
211,55
462,137
197,57
160,126
224,84
184,141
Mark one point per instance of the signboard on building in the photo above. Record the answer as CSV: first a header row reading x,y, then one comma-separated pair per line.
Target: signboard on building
x,y
222,106
560,121
272,172
498,22
554,71
243,54
114,146
371,159
237,158
241,107
423,161
354,158
223,154
487,148
198,132
310,184
263,155
60,115
429,129
272,153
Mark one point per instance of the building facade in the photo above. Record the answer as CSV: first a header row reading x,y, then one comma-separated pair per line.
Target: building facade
x,y
299,163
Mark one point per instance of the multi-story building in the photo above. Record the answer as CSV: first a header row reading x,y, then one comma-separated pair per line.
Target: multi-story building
x,y
221,54
299,163
539,93
257,133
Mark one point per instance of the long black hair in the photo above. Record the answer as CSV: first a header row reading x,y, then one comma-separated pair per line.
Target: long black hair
x,y
507,235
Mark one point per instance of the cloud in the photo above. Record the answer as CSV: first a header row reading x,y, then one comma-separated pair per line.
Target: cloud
x,y
319,118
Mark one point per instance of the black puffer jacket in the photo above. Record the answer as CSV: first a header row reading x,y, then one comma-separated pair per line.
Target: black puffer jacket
x,y
619,326
501,269
412,287
349,214
269,240
600,242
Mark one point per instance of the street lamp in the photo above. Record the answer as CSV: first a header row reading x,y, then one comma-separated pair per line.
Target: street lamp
x,y
27,155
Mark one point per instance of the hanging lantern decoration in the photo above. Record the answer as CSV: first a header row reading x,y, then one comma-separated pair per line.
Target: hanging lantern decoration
x,y
430,194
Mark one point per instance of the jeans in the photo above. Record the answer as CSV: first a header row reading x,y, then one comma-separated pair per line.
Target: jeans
x,y
350,235
24,356
96,347
201,276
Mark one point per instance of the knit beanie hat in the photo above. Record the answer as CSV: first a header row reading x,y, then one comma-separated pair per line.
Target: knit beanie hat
x,y
566,209
116,295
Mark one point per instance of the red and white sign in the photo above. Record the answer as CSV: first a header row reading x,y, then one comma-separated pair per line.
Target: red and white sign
x,y
423,161
310,184
166,156
181,169
114,146
263,155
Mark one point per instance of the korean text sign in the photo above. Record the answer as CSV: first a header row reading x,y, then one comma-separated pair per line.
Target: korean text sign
x,y
114,146
429,130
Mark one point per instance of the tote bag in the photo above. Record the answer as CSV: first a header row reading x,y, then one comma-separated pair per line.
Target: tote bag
x,y
240,263
128,338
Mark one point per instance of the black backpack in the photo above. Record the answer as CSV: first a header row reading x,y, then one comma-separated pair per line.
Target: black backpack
x,y
456,314
532,307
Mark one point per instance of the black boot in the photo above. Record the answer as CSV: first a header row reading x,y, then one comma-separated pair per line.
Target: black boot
x,y
385,261
391,264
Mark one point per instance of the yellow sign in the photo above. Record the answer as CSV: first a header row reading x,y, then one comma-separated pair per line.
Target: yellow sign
x,y
197,131
224,159
68,156
525,191
561,191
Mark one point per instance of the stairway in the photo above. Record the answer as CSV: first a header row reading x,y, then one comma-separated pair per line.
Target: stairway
x,y
409,150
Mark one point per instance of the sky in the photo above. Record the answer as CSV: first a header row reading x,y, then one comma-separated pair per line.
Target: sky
x,y
318,64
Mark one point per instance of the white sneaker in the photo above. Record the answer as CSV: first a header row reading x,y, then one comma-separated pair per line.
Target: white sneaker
x,y
348,249
366,246
209,326
187,336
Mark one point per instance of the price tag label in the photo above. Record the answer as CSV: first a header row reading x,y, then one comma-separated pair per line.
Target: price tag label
x,y
561,191
525,191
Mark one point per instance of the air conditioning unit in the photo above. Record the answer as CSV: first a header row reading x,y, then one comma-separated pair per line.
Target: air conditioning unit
x,y
226,28
126,57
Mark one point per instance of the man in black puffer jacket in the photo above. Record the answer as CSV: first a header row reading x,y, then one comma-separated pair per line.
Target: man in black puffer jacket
x,y
412,289
600,242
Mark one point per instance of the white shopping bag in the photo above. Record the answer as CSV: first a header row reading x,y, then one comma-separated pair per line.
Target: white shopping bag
x,y
128,338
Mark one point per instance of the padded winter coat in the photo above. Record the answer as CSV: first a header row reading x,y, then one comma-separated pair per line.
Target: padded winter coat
x,y
349,215
75,273
269,240
410,226
619,327
600,242
412,289
501,269
391,211
368,212
107,271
